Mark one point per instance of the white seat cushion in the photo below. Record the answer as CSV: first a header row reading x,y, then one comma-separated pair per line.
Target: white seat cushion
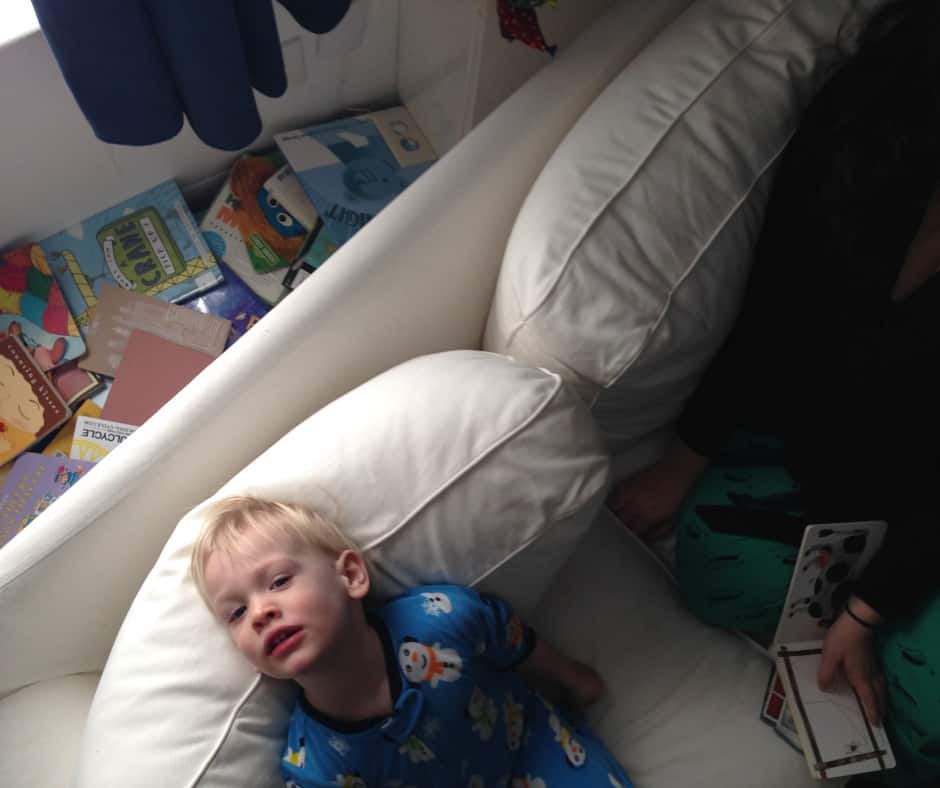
x,y
443,468
42,727
684,697
627,260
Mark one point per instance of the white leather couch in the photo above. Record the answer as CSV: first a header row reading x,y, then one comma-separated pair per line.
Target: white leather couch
x,y
605,242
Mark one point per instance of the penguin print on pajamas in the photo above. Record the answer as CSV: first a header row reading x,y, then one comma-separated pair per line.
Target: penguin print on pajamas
x,y
297,757
433,664
572,748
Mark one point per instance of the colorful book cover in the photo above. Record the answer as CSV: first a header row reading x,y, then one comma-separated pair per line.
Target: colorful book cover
x,y
271,235
61,443
234,301
354,167
30,406
284,187
33,309
94,438
149,244
34,483
220,230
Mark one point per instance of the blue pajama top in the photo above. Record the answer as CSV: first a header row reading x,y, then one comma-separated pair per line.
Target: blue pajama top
x,y
462,716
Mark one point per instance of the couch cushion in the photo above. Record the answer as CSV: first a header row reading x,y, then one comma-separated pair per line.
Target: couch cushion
x,y
442,468
42,726
627,260
684,698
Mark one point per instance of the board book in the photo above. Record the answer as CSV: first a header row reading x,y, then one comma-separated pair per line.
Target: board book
x,y
234,301
286,189
74,383
30,408
148,243
33,309
220,228
34,483
151,372
353,167
834,734
94,438
120,311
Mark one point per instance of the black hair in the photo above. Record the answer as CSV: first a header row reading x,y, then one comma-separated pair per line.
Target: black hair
x,y
879,118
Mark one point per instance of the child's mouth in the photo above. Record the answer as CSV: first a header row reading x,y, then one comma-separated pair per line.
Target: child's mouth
x,y
282,640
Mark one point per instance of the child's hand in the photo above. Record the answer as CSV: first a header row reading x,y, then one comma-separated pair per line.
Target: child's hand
x,y
584,685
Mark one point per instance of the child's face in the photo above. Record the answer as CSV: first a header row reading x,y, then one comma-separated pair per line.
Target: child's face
x,y
287,606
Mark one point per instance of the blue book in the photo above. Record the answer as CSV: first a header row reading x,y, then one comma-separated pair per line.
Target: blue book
x,y
233,300
149,243
352,168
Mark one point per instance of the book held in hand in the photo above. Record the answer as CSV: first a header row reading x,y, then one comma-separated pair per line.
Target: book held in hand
x,y
148,243
834,734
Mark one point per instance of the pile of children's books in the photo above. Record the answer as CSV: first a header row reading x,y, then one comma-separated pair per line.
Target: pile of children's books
x,y
104,322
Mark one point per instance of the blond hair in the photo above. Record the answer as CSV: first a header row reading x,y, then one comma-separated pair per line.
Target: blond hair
x,y
225,522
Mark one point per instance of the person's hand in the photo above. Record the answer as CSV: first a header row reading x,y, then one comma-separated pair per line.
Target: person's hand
x,y
848,649
646,501
583,685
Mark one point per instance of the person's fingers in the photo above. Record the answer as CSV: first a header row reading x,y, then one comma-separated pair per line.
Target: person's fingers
x,y
866,694
828,664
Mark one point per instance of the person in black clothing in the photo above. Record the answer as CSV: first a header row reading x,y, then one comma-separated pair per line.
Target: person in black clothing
x,y
833,353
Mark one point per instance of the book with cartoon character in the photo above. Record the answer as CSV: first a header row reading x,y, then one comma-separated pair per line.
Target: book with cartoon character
x,y
35,482
30,406
33,309
829,726
238,227
148,243
353,167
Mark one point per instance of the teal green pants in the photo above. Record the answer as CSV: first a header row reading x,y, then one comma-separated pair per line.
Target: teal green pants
x,y
737,539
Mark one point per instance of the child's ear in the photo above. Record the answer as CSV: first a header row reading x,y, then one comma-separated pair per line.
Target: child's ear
x,y
355,574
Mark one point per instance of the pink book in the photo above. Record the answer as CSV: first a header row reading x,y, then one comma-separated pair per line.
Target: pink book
x,y
151,371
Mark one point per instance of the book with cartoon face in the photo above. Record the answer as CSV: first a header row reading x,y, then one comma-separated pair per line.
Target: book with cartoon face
x,y
30,406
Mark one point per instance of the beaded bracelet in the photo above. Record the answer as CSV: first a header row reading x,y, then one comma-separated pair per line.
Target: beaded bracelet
x,y
858,618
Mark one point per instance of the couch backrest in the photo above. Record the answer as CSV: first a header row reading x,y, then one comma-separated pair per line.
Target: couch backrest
x,y
626,263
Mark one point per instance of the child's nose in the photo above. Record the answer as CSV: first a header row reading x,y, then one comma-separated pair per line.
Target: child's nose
x,y
263,613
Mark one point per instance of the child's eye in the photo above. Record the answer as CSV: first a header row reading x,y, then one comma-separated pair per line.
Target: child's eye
x,y
236,614
280,580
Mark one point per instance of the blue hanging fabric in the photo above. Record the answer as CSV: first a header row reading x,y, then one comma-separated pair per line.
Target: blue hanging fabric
x,y
136,67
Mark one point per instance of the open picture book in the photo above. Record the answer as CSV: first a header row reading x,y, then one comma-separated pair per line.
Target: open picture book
x,y
829,727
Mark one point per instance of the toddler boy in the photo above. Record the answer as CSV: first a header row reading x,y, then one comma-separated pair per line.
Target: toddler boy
x,y
425,690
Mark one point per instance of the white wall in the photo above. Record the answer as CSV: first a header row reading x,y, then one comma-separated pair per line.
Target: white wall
x,y
455,67
54,171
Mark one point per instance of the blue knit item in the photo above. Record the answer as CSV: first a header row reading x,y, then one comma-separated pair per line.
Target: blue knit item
x,y
136,67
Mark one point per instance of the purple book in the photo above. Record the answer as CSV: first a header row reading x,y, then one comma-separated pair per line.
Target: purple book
x,y
33,484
